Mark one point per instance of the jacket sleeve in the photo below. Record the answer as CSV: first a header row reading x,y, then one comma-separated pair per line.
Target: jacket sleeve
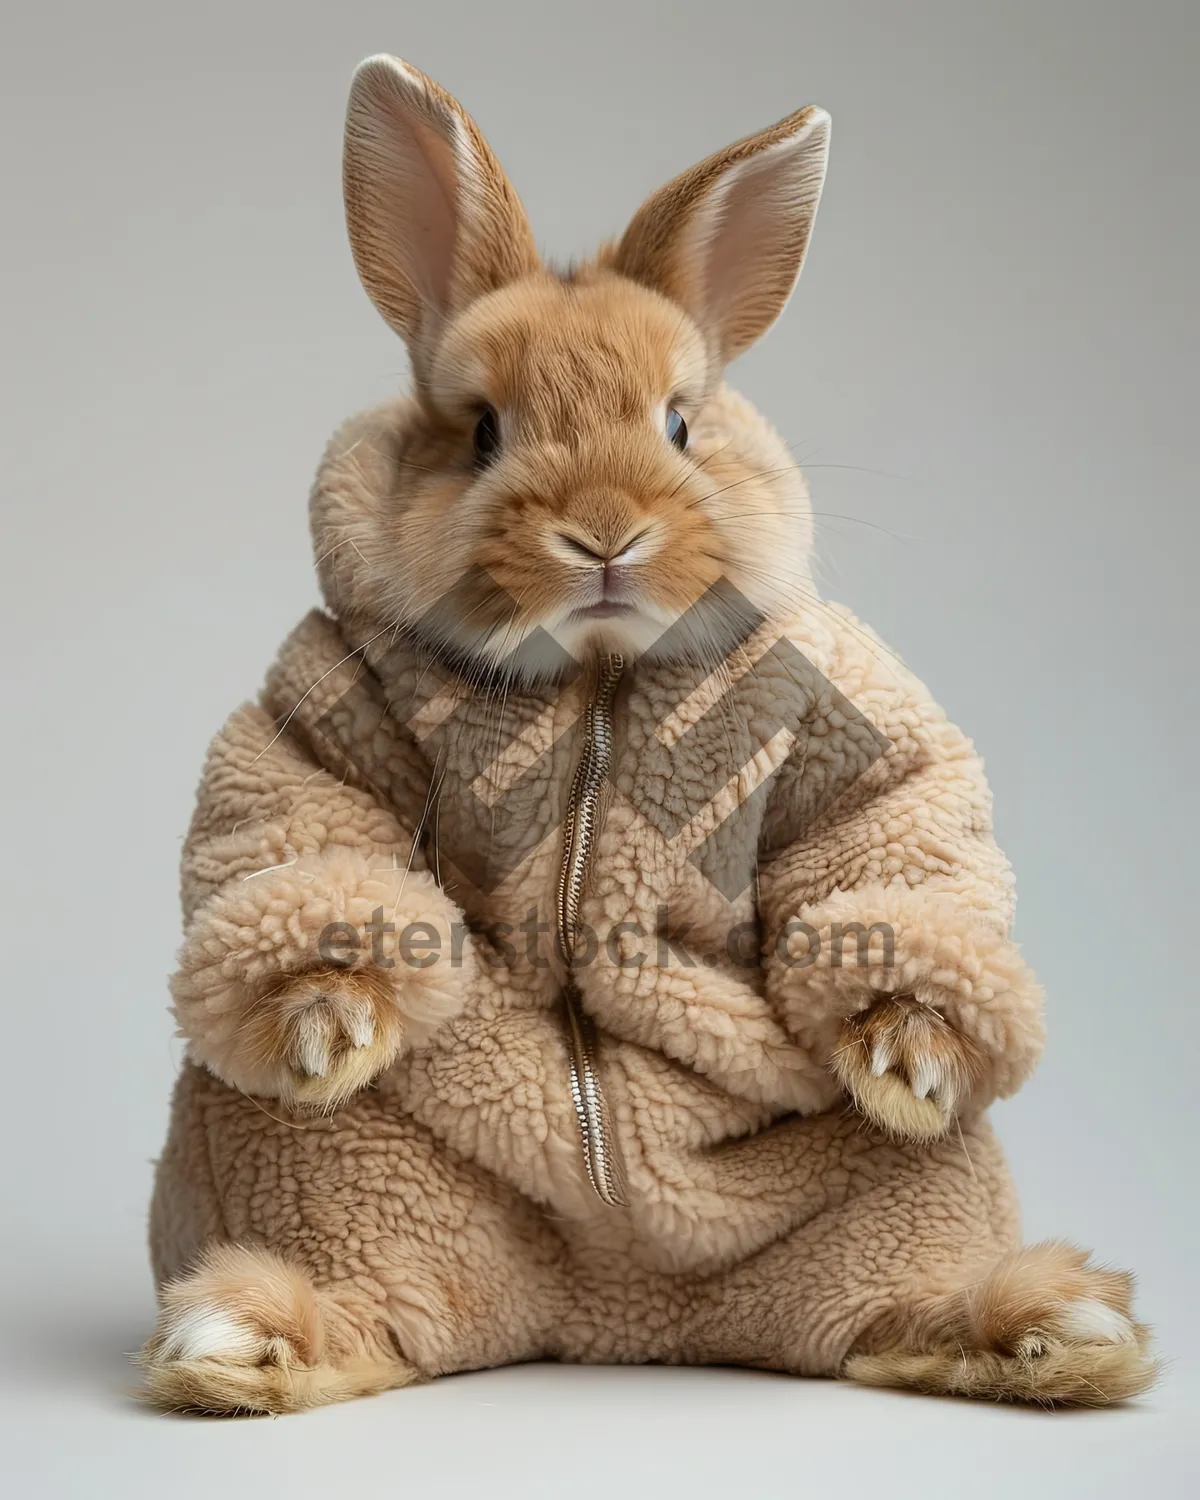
x,y
898,888
291,866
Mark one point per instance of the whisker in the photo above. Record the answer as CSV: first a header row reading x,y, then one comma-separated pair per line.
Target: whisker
x,y
746,479
358,650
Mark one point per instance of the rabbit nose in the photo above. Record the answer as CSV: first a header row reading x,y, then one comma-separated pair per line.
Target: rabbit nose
x,y
591,550
606,554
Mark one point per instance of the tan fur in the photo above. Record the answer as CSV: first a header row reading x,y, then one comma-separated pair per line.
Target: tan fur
x,y
374,1171
577,370
287,1348
1011,1336
691,257
906,1068
327,1034
415,161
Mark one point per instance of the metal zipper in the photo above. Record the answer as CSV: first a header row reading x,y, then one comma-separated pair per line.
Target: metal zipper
x,y
601,1148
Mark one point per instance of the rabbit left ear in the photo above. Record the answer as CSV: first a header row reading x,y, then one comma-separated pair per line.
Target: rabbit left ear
x,y
433,220
726,239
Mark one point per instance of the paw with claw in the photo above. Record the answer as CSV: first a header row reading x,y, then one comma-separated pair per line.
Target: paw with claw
x,y
324,1035
906,1068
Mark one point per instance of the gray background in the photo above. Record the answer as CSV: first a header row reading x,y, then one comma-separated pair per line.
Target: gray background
x,y
990,369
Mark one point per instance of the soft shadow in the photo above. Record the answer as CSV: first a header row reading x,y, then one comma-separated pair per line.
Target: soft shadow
x,y
82,1349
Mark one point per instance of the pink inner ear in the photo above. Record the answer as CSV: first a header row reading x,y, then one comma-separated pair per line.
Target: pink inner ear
x,y
423,190
755,246
433,221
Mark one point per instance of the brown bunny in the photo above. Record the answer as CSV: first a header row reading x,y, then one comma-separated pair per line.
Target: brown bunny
x,y
596,947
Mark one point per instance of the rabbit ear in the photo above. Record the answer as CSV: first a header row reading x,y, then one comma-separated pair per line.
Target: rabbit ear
x,y
726,239
433,220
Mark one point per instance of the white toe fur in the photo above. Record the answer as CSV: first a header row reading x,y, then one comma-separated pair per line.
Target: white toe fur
x,y
207,1332
1094,1322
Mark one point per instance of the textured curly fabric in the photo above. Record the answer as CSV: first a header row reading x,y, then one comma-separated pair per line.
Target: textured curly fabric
x,y
374,817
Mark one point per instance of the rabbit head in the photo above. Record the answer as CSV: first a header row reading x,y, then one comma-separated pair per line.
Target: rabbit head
x,y
570,475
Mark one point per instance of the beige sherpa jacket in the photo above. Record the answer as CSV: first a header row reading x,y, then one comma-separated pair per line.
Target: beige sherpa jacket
x,y
371,806
650,1015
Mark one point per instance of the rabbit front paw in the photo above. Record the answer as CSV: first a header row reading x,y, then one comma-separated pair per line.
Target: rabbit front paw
x,y
905,1067
323,1035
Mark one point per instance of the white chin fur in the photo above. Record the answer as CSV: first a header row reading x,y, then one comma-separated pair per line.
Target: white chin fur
x,y
706,633
631,635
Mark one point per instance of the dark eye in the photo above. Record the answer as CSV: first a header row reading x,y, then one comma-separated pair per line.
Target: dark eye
x,y
676,429
487,437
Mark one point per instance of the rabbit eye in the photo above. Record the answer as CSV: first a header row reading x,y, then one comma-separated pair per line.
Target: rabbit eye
x,y
677,432
487,437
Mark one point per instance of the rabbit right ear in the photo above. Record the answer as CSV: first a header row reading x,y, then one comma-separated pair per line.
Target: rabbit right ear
x,y
433,220
727,239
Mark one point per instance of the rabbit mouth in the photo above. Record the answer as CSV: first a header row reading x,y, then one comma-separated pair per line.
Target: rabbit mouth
x,y
607,609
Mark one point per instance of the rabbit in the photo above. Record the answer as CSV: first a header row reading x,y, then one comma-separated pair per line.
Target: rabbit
x,y
595,945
